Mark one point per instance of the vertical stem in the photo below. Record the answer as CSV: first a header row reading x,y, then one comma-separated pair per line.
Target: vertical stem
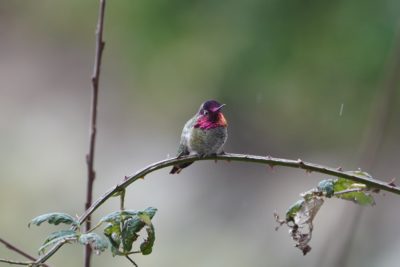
x,y
91,174
122,199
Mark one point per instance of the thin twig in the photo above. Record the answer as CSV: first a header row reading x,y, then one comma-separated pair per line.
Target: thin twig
x,y
16,262
129,259
17,250
95,92
267,160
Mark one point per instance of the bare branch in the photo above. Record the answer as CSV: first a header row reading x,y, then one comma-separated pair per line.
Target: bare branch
x,y
16,262
17,250
95,92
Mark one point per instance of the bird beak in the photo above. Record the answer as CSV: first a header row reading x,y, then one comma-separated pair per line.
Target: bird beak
x,y
218,108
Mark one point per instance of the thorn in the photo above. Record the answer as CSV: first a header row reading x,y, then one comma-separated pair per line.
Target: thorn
x,y
308,171
391,183
376,190
300,162
268,157
339,169
271,166
141,177
126,177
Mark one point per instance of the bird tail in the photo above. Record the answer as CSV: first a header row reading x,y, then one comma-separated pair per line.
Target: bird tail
x,y
178,168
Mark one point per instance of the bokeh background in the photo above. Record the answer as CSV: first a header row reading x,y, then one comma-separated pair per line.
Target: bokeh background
x,y
301,79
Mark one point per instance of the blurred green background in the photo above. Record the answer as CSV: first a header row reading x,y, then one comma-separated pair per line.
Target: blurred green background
x,y
285,69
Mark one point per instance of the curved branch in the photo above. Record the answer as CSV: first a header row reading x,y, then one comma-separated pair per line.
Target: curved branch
x,y
267,160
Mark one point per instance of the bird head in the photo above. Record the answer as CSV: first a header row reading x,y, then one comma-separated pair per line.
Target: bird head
x,y
210,115
210,108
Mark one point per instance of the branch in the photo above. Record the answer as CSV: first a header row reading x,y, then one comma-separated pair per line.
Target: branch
x,y
267,160
17,250
95,92
309,167
16,262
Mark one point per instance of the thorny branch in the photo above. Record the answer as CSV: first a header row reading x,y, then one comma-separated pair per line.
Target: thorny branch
x,y
267,160
95,92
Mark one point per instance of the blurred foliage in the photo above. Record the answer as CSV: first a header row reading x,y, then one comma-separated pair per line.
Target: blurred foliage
x,y
272,59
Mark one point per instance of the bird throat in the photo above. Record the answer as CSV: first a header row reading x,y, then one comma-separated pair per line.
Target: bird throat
x,y
210,122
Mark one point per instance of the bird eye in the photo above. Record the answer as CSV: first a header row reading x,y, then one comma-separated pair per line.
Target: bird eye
x,y
205,112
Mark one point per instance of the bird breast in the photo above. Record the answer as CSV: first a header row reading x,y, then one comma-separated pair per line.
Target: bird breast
x,y
207,141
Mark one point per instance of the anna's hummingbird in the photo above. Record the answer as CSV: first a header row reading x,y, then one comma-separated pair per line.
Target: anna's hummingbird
x,y
204,134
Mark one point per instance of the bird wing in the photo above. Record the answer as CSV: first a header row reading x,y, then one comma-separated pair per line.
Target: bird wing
x,y
183,148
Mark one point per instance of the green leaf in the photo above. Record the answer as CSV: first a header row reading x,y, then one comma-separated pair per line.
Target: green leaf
x,y
118,216
147,245
129,232
96,242
61,233
54,218
112,217
361,197
342,184
150,212
113,232
145,217
326,186
59,236
123,229
292,211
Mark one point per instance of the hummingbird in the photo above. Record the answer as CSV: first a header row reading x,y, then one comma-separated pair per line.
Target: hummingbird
x,y
204,134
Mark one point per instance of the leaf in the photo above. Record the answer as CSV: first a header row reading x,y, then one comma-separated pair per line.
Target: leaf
x,y
117,216
123,229
326,186
302,214
145,218
129,232
54,218
112,217
96,242
59,236
151,212
147,245
292,211
308,211
61,233
113,233
361,197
